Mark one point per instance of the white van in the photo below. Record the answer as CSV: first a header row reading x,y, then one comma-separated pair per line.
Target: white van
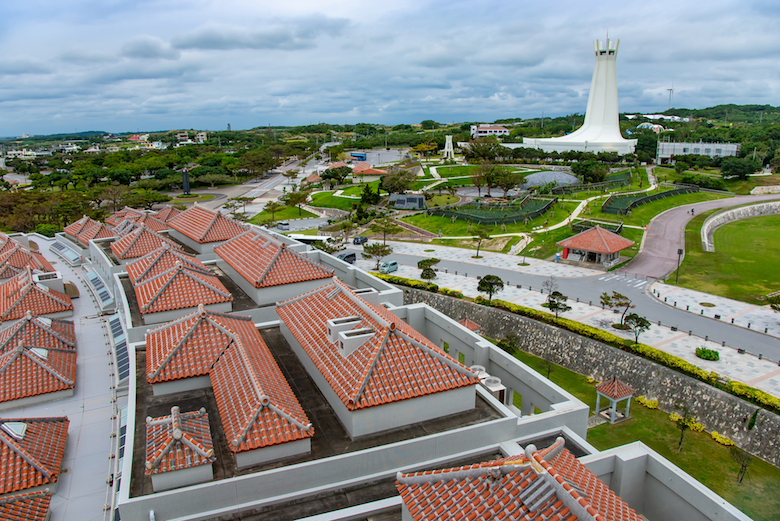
x,y
283,225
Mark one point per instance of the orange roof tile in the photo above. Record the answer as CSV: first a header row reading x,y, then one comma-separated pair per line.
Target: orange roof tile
x,y
265,261
30,506
159,261
77,227
31,371
204,225
549,484
256,404
125,227
470,324
120,215
360,167
615,389
41,332
337,164
190,345
140,242
180,287
20,294
150,221
597,240
86,229
369,376
371,171
178,441
17,257
33,459
167,213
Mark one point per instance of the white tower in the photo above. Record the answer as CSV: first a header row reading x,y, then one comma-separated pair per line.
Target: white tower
x,y
449,152
601,130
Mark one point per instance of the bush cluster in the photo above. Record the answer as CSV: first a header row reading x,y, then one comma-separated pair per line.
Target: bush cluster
x,y
722,439
690,422
401,281
650,404
451,292
707,354
741,390
427,263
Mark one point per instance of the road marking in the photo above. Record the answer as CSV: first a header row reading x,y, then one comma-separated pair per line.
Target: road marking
x,y
641,284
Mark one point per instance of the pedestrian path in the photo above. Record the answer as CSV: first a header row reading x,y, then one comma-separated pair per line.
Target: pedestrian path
x,y
492,260
758,318
745,368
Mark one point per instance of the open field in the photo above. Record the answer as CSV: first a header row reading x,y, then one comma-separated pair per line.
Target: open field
x,y
642,215
285,214
326,200
745,261
758,496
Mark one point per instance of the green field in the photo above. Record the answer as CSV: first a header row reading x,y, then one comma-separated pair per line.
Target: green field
x,y
456,171
744,264
642,215
357,190
326,200
758,497
285,214
737,186
639,182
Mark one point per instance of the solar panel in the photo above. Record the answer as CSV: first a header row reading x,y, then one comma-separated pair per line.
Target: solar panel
x,y
122,360
65,253
116,329
99,289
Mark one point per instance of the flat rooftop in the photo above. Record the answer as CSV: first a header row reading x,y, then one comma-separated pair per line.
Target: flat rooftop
x,y
330,438
241,301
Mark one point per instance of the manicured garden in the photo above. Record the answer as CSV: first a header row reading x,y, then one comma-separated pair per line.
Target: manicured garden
x,y
285,214
192,198
327,200
745,261
759,493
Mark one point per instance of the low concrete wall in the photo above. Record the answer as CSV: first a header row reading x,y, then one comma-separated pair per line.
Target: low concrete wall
x,y
713,222
715,409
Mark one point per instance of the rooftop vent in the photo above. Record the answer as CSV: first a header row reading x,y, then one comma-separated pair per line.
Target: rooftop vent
x,y
350,341
50,281
370,295
496,388
480,371
336,325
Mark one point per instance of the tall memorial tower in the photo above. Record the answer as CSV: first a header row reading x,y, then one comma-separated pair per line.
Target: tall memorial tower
x,y
601,130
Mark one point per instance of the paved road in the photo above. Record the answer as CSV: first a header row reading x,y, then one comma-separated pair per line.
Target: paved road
x,y
589,289
666,233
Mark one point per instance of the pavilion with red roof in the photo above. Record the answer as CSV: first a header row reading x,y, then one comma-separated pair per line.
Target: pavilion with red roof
x,y
595,245
615,391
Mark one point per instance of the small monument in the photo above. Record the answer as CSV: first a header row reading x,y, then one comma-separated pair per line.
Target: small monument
x,y
449,151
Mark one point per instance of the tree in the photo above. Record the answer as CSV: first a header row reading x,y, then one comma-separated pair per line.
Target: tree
x,y
481,234
297,200
590,170
490,284
368,196
428,274
330,246
396,183
146,198
478,180
346,228
429,124
507,180
213,179
680,167
376,251
272,207
617,301
242,201
637,325
739,167
774,302
385,226
743,459
549,286
683,421
557,303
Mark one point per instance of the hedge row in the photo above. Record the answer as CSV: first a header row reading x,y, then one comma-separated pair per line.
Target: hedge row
x,y
412,283
741,390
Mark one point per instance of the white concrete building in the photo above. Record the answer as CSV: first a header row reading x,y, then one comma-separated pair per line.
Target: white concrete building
x,y
668,150
486,129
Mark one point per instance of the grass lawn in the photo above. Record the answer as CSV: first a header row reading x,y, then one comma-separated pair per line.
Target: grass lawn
x,y
758,497
199,199
326,200
420,184
443,200
285,214
639,182
737,186
457,170
642,215
459,228
357,190
745,261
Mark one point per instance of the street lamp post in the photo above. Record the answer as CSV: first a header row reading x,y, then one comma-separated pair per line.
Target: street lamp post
x,y
679,256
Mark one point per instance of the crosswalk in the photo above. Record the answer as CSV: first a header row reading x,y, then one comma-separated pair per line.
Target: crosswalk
x,y
629,281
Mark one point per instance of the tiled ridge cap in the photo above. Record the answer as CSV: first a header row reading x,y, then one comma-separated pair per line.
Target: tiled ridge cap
x,y
312,262
309,293
176,271
211,225
352,400
138,233
24,496
178,436
159,252
601,236
271,264
19,325
441,357
9,442
10,356
193,314
494,471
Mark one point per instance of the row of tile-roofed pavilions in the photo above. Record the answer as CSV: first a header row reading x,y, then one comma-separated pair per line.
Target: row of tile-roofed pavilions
x,y
376,372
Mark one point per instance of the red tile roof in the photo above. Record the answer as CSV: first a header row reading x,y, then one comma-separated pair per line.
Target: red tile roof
x,y
20,294
178,441
35,459
160,261
125,227
360,167
370,375
597,240
80,226
337,164
204,225
150,221
371,171
549,484
256,404
470,324
615,389
167,213
86,229
140,242
265,261
179,287
31,371
190,345
30,506
120,215
42,332
16,257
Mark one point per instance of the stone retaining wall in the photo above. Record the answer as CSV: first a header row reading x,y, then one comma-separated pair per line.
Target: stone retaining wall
x,y
713,408
713,222
760,190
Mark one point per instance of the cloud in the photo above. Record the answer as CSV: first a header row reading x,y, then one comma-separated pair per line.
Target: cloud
x,y
149,47
24,66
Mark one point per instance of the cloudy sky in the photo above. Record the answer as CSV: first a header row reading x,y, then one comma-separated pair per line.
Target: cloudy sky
x,y
118,65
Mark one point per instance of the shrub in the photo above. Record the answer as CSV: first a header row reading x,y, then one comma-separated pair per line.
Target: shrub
x,y
428,274
451,292
674,417
707,354
427,263
47,230
722,439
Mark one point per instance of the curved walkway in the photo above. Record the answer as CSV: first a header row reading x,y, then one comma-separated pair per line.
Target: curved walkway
x,y
657,257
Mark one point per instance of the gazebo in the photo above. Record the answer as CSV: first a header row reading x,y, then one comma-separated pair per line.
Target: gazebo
x,y
615,391
595,245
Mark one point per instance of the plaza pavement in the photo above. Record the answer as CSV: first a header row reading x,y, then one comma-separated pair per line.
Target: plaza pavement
x,y
746,368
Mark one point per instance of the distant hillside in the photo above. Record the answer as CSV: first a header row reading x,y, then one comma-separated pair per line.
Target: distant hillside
x,y
57,137
734,113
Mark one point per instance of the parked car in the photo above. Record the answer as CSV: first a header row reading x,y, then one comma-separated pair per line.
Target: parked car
x,y
284,225
388,267
347,256
360,240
